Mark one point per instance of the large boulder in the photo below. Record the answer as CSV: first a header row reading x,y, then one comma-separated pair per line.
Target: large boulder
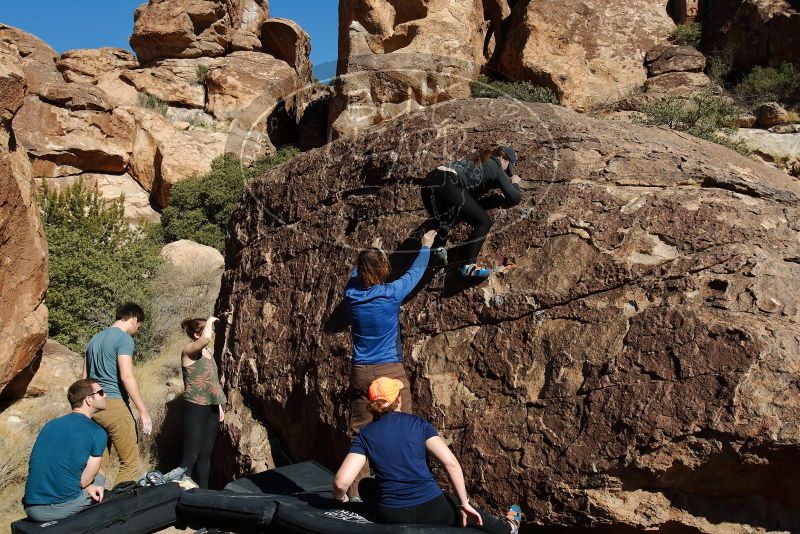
x,y
88,64
397,56
637,367
178,82
590,52
196,28
37,58
62,141
284,39
58,369
754,32
23,273
162,155
662,59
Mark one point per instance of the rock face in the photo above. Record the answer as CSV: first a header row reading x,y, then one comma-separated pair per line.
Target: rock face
x,y
59,368
195,28
756,32
586,51
637,366
285,40
88,64
662,59
397,56
23,272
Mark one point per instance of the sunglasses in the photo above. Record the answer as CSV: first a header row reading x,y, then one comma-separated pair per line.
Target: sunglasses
x,y
98,392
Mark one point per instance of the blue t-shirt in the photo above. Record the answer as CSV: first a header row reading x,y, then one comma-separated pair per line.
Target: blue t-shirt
x,y
395,447
101,360
59,456
375,314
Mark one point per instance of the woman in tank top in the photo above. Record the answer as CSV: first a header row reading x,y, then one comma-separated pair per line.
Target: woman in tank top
x,y
202,410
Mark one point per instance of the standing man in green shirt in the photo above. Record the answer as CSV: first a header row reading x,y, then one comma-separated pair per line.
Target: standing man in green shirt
x,y
109,360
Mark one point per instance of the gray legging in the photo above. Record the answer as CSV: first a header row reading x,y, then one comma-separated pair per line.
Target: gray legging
x,y
54,512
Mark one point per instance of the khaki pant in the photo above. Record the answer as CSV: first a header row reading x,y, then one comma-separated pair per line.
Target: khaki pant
x,y
117,420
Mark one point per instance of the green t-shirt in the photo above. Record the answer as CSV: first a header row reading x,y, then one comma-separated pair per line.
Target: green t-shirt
x,y
101,360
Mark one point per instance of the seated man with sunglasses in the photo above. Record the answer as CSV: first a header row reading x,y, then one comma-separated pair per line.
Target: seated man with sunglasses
x,y
64,469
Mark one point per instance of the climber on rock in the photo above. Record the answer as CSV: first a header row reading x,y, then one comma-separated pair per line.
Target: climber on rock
x,y
404,490
451,194
374,307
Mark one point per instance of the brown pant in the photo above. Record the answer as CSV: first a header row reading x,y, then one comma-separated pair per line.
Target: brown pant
x,y
118,421
362,377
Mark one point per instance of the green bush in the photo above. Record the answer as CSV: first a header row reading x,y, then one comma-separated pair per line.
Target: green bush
x,y
202,73
97,261
200,208
146,100
524,91
769,84
687,34
705,116
718,68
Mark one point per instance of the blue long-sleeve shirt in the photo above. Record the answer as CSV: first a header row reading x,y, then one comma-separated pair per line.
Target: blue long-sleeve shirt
x,y
375,314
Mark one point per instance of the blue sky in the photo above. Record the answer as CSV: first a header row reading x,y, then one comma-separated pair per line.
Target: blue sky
x,y
67,24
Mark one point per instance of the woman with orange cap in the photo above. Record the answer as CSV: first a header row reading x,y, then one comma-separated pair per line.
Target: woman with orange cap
x,y
404,490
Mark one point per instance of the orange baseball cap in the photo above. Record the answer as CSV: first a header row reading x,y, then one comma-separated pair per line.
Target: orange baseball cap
x,y
386,389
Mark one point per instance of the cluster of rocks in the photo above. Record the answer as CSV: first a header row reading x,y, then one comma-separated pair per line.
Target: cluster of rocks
x,y
208,78
636,370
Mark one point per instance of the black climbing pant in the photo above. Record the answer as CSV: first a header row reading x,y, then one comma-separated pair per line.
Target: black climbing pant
x,y
200,424
441,510
449,203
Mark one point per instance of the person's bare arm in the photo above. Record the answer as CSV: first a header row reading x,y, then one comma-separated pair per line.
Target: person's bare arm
x,y
347,474
194,350
90,471
438,448
125,364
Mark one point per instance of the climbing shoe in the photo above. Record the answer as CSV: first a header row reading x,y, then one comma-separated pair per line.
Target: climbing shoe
x,y
473,271
515,516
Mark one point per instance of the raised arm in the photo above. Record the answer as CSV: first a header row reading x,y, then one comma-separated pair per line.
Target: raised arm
x,y
406,283
439,449
194,350
510,190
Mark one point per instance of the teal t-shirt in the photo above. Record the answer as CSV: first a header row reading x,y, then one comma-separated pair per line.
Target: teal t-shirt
x,y
101,359
59,456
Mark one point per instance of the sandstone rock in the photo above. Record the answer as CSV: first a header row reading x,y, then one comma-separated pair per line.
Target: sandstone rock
x,y
37,58
75,96
23,274
187,255
58,369
120,92
286,40
12,82
396,57
683,11
746,120
196,28
643,348
678,83
771,114
86,65
164,155
59,140
174,81
785,128
674,58
248,83
757,32
244,89
769,146
137,200
586,51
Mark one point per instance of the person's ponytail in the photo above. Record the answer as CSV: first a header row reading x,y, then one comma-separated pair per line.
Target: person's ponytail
x,y
484,154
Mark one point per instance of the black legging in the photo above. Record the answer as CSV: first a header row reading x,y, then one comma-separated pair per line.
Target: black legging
x,y
200,424
447,202
442,510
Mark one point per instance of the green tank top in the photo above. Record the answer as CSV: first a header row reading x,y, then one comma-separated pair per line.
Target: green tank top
x,y
201,382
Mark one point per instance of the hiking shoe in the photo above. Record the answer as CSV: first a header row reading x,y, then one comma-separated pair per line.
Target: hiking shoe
x,y
152,478
441,253
176,474
473,271
515,516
